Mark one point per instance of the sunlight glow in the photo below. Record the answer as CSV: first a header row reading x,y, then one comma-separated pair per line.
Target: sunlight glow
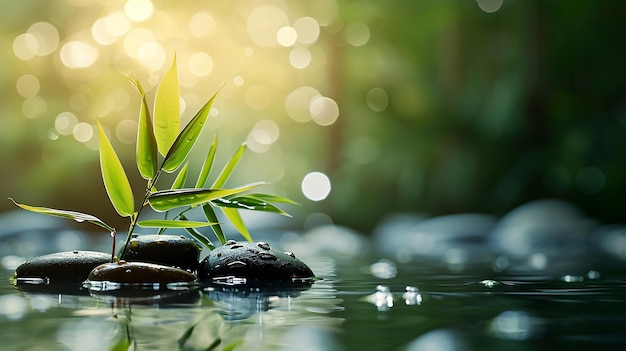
x,y
316,186
109,29
201,64
135,39
263,24
286,36
202,24
152,56
138,10
78,54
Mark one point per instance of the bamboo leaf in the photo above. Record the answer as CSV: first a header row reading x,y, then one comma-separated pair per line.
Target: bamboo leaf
x,y
235,218
168,199
249,203
167,110
77,216
172,223
187,138
181,178
207,165
198,236
229,167
209,214
147,157
273,198
115,180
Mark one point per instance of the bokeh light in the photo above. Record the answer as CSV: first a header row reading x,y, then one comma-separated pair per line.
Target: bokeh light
x,y
28,85
316,186
263,24
490,6
298,103
324,111
78,54
138,10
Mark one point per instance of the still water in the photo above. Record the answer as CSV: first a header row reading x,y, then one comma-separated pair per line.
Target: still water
x,y
474,295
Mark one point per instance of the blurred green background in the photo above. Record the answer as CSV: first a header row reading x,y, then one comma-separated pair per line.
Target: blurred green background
x,y
433,106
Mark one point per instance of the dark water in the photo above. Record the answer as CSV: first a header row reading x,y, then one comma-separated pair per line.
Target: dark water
x,y
470,298
349,310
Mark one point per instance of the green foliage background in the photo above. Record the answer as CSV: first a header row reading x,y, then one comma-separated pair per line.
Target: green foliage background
x,y
485,111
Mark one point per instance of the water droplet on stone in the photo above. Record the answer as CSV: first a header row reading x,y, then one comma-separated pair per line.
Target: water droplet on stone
x,y
290,254
133,236
75,251
267,256
128,271
263,245
230,242
237,264
233,247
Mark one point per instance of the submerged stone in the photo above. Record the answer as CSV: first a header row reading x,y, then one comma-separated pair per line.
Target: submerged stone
x,y
70,267
252,262
167,250
140,273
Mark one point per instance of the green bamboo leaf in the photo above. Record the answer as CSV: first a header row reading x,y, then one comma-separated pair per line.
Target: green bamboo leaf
x,y
171,223
230,166
249,203
273,198
147,157
235,218
207,165
198,236
168,199
187,138
210,215
167,110
77,216
115,181
181,178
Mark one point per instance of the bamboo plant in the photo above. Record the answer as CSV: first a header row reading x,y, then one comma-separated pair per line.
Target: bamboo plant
x,y
162,146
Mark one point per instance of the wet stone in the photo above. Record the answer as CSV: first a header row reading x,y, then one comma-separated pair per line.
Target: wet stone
x,y
168,250
254,262
139,273
70,267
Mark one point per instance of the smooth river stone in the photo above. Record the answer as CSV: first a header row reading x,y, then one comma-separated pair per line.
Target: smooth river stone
x,y
70,267
253,262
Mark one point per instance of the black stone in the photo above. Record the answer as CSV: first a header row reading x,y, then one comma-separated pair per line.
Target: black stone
x,y
167,250
254,262
139,273
70,267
